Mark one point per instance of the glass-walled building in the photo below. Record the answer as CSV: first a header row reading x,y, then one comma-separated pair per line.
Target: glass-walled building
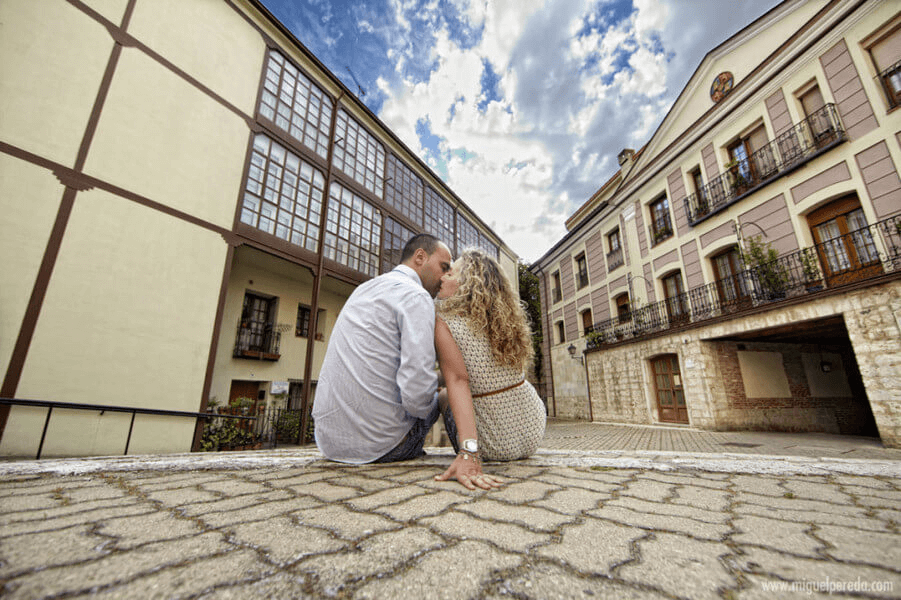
x,y
189,197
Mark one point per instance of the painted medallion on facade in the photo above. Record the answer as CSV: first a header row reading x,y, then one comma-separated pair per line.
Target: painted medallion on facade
x,y
721,86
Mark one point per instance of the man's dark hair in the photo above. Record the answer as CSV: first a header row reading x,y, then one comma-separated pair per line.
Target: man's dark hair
x,y
426,241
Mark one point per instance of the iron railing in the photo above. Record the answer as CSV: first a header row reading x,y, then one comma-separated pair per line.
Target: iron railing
x,y
258,341
50,405
800,144
856,256
615,259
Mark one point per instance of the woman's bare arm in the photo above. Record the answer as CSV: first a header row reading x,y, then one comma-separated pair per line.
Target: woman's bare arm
x,y
468,472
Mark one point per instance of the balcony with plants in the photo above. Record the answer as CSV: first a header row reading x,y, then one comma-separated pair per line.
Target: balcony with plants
x,y
258,341
810,138
767,280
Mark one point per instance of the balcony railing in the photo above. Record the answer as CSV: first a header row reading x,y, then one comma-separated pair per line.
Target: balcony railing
x,y
857,256
258,341
660,232
614,259
800,144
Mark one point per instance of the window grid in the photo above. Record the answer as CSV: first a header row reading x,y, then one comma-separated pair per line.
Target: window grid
x,y
403,190
296,105
489,247
467,235
439,216
283,194
353,230
358,154
395,237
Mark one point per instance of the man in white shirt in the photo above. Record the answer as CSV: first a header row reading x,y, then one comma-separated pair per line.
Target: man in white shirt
x,y
375,401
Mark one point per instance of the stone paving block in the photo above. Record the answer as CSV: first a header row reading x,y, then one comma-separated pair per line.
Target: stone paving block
x,y
30,551
283,540
362,483
234,487
169,481
38,484
142,529
281,586
514,470
327,491
292,477
461,571
713,500
853,545
787,536
256,511
228,504
536,519
759,485
867,483
523,491
611,475
389,496
593,546
421,506
817,489
681,566
417,476
514,538
375,557
87,493
10,505
592,484
793,503
647,489
36,524
551,581
343,522
188,580
572,501
645,516
853,517
758,587
880,498
183,496
114,568
813,572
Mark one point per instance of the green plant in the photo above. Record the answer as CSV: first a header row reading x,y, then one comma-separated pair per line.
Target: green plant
x,y
224,435
810,265
763,261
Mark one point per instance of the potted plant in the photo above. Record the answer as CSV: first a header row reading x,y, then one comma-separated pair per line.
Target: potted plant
x,y
737,181
763,262
812,277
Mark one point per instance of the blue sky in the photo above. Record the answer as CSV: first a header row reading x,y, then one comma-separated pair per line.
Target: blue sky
x,y
521,106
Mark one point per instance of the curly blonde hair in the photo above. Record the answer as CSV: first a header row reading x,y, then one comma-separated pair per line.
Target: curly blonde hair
x,y
486,299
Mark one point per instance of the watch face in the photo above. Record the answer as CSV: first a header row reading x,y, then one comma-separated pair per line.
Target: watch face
x,y
471,445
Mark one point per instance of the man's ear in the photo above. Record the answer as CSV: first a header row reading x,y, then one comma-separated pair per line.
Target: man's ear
x,y
420,257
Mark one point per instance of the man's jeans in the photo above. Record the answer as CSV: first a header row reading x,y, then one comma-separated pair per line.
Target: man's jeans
x,y
411,446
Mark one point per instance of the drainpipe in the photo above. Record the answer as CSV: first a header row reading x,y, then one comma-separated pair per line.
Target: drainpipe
x,y
317,281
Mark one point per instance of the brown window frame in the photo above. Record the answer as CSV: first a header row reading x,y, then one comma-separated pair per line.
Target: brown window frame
x,y
557,287
587,323
623,307
581,270
561,332
661,223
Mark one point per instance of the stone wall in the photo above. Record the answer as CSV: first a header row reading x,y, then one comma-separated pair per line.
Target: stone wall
x,y
622,391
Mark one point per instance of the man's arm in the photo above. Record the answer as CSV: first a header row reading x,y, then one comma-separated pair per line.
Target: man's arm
x,y
416,374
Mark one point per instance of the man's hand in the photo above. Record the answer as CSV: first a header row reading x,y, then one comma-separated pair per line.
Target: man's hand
x,y
468,472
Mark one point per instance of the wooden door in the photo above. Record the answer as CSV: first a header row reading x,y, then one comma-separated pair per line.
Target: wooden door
x,y
671,407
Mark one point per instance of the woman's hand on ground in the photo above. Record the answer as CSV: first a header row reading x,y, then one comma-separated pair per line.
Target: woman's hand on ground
x,y
469,473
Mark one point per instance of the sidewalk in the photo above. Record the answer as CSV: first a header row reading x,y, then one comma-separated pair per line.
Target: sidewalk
x,y
601,511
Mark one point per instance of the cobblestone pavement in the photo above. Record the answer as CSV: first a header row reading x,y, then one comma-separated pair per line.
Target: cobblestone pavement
x,y
568,523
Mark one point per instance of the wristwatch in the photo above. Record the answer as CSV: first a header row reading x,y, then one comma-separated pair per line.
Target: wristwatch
x,y
471,446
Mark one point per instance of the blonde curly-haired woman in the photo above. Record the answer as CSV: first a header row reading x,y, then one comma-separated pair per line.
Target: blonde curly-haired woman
x,y
484,345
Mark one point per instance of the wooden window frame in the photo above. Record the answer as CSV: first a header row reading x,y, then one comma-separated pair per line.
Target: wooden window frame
x,y
581,270
661,222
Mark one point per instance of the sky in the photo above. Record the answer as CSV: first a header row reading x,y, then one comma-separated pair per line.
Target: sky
x,y
520,106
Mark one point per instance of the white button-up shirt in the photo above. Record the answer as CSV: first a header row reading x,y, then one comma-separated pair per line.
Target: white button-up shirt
x,y
379,369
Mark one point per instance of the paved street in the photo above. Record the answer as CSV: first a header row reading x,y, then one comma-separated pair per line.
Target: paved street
x,y
724,515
